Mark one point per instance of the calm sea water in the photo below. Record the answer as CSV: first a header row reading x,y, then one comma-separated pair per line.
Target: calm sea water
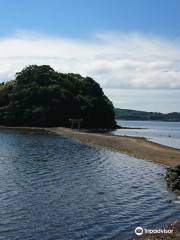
x,y
56,188
166,133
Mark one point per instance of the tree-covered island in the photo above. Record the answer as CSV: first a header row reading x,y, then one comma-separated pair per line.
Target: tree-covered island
x,y
40,96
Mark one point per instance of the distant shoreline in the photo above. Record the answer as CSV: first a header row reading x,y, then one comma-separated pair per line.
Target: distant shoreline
x,y
138,147
147,120
137,115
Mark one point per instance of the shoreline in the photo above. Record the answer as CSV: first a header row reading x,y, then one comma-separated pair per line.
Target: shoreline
x,y
138,147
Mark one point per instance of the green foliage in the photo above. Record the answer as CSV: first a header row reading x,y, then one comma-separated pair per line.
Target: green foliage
x,y
40,96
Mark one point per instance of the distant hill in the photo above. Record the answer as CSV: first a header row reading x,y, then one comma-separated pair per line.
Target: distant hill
x,y
127,114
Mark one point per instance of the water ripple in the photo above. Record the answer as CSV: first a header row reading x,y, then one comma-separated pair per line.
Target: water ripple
x,y
56,188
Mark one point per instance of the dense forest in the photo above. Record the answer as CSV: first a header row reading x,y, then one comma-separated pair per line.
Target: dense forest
x,y
40,96
127,114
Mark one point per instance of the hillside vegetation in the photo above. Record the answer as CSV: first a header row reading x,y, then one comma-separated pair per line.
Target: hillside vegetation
x,y
40,96
127,114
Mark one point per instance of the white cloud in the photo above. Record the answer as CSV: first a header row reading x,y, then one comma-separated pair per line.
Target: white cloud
x,y
115,60
159,100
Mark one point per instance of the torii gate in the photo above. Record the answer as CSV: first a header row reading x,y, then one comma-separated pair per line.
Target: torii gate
x,y
76,121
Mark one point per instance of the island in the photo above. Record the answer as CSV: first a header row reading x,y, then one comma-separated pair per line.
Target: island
x,y
41,96
42,99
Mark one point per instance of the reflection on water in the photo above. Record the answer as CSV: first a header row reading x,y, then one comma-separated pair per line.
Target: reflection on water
x,y
166,133
56,188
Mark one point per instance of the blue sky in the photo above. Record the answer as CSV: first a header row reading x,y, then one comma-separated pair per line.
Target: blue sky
x,y
131,47
79,18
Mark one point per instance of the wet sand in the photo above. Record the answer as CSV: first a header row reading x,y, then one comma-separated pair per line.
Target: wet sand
x,y
137,147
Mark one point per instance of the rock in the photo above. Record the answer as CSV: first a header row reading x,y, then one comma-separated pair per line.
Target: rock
x,y
173,178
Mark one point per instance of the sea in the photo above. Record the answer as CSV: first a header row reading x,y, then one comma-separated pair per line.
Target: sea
x,y
55,188
165,133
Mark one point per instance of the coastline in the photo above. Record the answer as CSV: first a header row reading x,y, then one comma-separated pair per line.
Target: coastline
x,y
138,147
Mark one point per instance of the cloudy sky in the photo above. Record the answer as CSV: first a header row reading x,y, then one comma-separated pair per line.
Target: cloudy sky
x,y
131,47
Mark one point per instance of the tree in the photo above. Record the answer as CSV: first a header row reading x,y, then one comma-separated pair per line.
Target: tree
x,y
40,96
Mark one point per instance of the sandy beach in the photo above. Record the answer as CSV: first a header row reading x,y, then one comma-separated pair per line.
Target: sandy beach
x,y
137,147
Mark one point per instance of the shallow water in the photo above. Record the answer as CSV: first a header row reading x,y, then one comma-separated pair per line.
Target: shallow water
x,y
166,133
56,188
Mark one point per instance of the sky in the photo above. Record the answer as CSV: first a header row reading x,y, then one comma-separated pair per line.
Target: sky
x,y
130,47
